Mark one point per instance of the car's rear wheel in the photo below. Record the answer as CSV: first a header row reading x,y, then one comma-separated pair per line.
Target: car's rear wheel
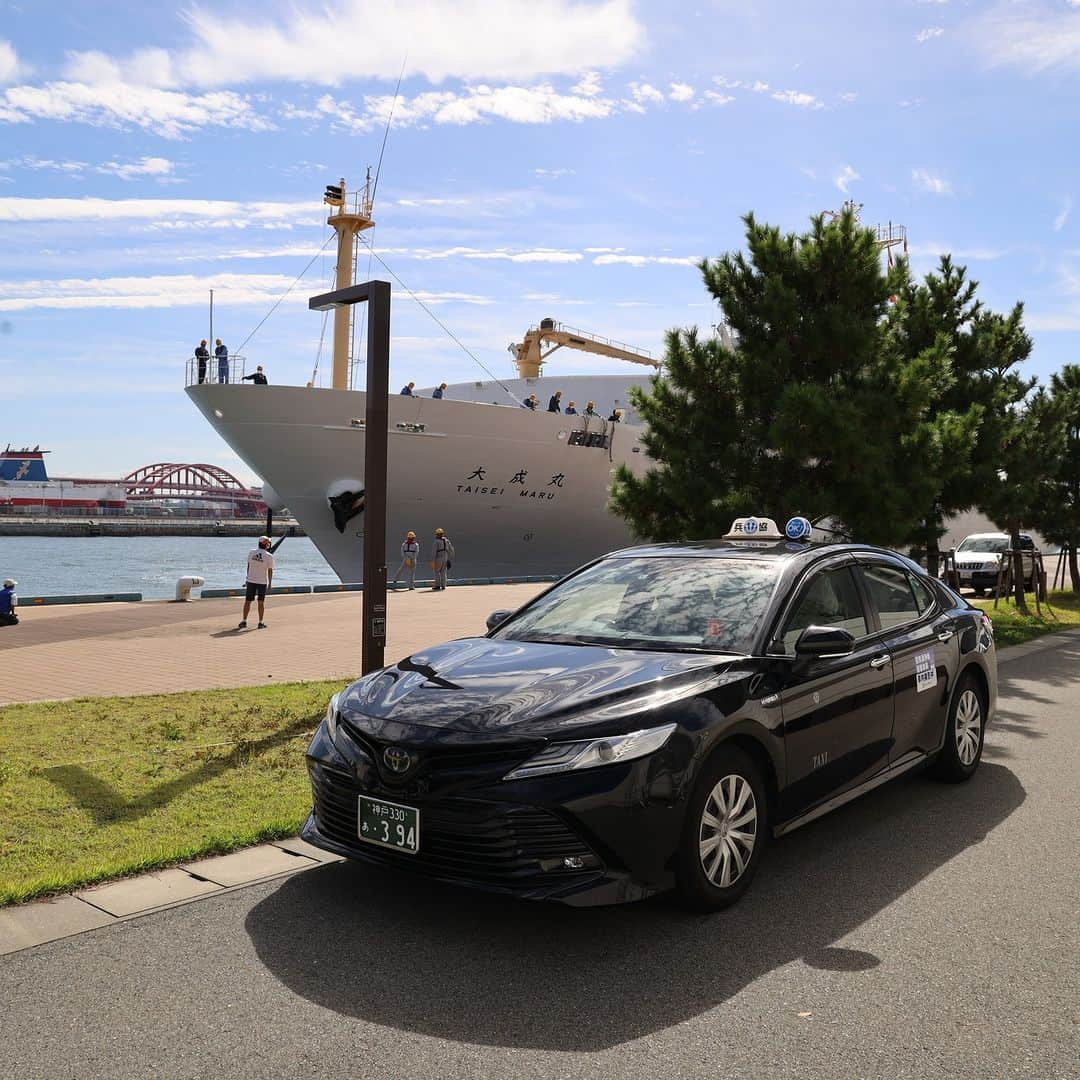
x,y
725,831
964,731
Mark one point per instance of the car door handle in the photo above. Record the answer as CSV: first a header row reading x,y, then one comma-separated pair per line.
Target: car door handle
x,y
945,635
880,661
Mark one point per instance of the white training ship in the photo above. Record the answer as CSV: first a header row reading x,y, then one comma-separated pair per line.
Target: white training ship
x,y
518,492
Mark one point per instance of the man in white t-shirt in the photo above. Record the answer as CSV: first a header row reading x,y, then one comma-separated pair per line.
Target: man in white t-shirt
x,y
260,575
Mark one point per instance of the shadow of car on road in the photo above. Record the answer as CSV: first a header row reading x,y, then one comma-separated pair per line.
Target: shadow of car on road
x,y
403,952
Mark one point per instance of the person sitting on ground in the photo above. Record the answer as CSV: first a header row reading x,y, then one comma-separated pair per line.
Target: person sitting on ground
x,y
590,408
530,403
8,603
437,393
257,377
570,410
260,576
407,389
555,404
615,417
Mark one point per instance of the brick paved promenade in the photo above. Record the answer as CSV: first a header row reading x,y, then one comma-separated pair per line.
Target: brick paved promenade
x,y
158,647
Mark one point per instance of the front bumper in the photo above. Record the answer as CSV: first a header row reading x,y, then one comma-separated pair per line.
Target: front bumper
x,y
619,826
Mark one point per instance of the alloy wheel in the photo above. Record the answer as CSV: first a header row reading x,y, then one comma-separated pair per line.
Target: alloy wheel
x,y
728,830
968,727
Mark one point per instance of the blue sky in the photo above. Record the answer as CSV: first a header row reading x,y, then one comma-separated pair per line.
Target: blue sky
x,y
569,158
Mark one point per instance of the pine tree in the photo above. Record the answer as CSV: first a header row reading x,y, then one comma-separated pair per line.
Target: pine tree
x,y
1019,435
810,412
1058,514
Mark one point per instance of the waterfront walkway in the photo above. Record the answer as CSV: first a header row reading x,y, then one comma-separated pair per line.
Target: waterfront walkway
x,y
157,646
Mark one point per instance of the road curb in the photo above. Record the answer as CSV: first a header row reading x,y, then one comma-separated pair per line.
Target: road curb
x,y
24,926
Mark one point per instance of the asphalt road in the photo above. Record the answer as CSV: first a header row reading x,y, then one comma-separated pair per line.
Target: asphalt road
x,y
923,931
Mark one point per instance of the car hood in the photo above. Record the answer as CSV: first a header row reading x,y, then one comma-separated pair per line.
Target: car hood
x,y
480,685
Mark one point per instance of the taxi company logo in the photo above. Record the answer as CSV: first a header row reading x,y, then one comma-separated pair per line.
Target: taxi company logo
x,y
396,759
750,526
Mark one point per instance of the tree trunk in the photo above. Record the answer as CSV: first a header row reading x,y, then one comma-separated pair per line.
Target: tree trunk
x,y
1018,568
933,552
1074,569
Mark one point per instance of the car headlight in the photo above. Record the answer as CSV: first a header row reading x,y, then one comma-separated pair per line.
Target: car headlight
x,y
568,757
331,716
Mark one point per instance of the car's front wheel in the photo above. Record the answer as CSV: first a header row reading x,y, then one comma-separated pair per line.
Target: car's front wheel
x,y
725,832
964,730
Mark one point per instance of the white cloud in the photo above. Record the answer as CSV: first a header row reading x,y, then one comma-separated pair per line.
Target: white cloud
x,y
935,248
1066,205
170,113
646,260
541,104
797,97
1031,37
588,85
849,96
715,98
162,212
929,33
146,166
364,39
554,174
934,185
680,91
845,178
10,66
760,87
171,290
646,94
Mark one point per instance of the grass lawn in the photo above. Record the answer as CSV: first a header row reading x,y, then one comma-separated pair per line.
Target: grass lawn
x,y
102,787
1012,628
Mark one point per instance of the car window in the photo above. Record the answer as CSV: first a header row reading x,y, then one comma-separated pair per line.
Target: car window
x,y
890,594
714,604
923,597
1026,543
988,545
830,598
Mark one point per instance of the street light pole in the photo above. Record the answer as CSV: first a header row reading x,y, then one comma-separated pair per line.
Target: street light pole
x,y
376,294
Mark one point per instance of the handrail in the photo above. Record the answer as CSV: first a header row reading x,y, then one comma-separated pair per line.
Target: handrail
x,y
589,336
211,371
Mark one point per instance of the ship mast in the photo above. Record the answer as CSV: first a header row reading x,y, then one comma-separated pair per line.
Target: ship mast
x,y
348,224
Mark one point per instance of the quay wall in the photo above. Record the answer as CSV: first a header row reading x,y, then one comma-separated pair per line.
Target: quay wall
x,y
112,526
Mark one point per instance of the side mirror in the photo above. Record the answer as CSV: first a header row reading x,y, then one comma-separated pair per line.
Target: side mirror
x,y
824,642
496,618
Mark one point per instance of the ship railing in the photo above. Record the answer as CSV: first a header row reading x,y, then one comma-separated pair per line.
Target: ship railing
x,y
211,370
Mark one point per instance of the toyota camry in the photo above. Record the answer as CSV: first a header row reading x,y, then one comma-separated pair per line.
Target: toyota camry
x,y
654,719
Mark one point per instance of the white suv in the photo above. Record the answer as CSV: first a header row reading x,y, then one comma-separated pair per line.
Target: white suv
x,y
979,556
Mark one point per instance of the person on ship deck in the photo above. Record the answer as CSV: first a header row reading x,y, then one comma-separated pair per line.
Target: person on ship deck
x,y
555,404
407,389
222,354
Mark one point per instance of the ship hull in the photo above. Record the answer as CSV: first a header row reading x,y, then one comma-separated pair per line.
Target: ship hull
x,y
517,491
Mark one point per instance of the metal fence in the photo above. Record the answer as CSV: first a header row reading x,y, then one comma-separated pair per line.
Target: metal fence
x,y
213,370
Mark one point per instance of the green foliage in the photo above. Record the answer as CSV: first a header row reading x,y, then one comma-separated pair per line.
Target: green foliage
x,y
816,409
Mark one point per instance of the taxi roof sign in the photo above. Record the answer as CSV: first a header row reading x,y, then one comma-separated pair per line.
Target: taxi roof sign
x,y
753,528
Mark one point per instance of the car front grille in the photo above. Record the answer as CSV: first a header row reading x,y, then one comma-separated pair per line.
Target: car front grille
x,y
493,843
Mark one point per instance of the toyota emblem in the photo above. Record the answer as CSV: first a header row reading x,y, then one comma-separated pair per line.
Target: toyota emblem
x,y
396,759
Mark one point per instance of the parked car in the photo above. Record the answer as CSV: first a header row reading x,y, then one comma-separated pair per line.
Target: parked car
x,y
651,721
978,559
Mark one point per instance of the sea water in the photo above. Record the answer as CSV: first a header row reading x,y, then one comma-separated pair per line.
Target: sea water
x,y
61,565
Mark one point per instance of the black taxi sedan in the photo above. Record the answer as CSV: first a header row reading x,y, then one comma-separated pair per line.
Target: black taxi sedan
x,y
652,720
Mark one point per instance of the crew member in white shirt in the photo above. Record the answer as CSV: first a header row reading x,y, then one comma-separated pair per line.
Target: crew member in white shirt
x,y
260,575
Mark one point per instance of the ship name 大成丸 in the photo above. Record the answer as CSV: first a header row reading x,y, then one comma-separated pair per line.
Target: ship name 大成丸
x,y
469,487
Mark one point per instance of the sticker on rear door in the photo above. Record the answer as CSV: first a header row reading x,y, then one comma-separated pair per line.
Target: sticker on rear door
x,y
925,672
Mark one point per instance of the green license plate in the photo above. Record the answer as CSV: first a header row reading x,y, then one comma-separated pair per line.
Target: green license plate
x,y
389,824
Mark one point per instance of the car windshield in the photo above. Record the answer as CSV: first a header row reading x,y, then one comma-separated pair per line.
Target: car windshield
x,y
990,544
680,604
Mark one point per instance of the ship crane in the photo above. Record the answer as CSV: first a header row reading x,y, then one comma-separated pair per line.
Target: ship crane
x,y
530,354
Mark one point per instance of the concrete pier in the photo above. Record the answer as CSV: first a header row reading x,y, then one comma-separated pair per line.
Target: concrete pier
x,y
140,526
158,647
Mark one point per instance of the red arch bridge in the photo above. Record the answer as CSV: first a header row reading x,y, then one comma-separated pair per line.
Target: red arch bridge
x,y
209,485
